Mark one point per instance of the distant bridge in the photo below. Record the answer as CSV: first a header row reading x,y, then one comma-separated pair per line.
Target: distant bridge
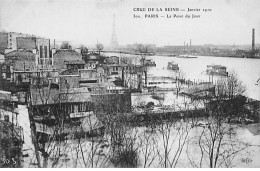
x,y
113,51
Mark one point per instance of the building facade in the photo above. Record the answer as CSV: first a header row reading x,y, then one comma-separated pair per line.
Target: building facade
x,y
64,55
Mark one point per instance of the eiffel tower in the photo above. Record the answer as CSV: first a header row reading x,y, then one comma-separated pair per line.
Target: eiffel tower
x,y
114,43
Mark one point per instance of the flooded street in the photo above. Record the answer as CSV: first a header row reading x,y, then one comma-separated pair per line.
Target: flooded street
x,y
248,71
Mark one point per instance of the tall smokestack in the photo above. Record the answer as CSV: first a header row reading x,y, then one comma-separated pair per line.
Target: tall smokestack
x,y
0,20
253,42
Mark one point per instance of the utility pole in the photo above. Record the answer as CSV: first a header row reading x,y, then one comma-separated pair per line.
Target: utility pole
x,y
253,43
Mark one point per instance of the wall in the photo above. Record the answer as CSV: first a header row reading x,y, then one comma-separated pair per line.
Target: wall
x,y
112,103
69,81
3,42
61,56
43,54
28,43
21,60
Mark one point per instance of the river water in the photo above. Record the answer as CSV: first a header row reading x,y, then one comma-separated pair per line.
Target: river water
x,y
248,70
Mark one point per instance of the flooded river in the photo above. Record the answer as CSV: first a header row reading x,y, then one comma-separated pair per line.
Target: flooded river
x,y
248,70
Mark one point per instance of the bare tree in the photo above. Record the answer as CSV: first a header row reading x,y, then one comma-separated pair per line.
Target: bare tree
x,y
66,45
45,104
179,81
217,140
143,51
57,139
99,47
83,49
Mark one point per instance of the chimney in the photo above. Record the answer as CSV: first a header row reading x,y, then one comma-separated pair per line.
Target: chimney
x,y
253,42
0,20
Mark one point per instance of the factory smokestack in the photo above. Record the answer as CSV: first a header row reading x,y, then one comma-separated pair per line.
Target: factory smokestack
x,y
253,43
0,20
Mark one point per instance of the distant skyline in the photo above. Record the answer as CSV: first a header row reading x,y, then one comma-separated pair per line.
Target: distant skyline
x,y
90,21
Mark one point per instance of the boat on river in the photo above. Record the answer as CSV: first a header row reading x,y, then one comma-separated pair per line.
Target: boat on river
x,y
149,63
173,66
186,56
216,70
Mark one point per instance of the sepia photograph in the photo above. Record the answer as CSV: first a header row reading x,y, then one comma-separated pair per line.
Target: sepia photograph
x,y
129,84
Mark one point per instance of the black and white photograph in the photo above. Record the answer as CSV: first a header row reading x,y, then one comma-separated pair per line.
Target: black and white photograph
x,y
129,84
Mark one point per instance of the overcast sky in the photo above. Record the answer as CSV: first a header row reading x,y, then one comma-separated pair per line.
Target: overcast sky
x,y
89,21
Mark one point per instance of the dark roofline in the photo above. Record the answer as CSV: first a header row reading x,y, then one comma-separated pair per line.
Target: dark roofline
x,y
66,50
68,70
23,50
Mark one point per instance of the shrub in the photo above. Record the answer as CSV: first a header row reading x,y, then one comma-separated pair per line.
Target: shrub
x,y
126,157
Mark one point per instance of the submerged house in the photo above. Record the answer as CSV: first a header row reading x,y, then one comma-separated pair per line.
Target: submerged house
x,y
148,62
199,91
216,70
55,109
173,66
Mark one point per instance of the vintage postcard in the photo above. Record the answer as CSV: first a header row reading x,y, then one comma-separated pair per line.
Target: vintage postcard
x,y
129,84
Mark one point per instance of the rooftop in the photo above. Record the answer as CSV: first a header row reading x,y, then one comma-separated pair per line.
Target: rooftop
x,y
216,66
75,62
44,95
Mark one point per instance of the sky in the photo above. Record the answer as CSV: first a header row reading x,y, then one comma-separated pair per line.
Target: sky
x,y
90,21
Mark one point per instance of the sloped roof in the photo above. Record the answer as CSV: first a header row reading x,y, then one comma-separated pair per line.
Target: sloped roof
x,y
198,88
66,51
72,95
45,95
75,62
5,95
88,124
26,42
71,71
20,55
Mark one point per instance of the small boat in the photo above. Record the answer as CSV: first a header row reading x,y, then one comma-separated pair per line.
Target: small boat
x,y
186,56
173,66
216,70
149,63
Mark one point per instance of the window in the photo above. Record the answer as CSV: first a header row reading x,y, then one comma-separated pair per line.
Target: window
x,y
41,52
75,108
45,51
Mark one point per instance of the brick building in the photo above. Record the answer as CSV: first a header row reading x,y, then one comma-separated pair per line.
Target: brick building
x,y
40,46
20,60
64,55
12,41
8,41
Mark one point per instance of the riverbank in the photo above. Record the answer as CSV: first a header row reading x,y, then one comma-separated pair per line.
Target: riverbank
x,y
198,55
